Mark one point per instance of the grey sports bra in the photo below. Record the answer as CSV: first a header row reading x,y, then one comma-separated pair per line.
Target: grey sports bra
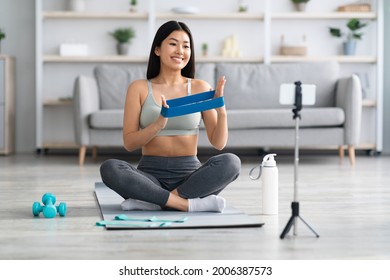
x,y
182,125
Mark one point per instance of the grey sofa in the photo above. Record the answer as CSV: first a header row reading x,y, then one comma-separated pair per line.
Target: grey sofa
x,y
256,119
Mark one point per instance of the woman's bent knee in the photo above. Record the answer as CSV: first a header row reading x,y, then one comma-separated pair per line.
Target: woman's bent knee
x,y
233,163
107,167
110,169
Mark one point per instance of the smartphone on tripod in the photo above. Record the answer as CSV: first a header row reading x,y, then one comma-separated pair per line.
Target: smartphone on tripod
x,y
287,94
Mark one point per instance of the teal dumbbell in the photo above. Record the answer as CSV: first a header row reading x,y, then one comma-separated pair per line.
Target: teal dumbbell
x,y
49,210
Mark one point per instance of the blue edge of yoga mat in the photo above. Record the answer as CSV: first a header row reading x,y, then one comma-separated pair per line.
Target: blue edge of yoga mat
x,y
109,203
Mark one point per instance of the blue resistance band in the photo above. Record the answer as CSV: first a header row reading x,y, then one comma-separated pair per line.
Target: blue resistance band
x,y
192,104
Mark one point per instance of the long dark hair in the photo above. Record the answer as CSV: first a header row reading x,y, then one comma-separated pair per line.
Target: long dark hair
x,y
161,34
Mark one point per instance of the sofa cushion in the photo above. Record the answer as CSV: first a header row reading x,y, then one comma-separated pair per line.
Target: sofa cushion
x,y
283,118
244,119
206,72
106,119
113,80
256,85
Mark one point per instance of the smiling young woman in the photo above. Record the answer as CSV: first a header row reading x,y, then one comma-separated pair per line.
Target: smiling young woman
x,y
169,174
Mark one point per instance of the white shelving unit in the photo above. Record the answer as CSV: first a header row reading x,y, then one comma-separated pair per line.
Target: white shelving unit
x,y
264,17
91,15
372,127
323,16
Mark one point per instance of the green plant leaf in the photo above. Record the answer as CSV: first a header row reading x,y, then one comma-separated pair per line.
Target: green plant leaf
x,y
357,36
355,24
2,34
336,32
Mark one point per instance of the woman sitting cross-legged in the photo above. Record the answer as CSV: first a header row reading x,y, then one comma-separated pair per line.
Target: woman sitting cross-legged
x,y
169,174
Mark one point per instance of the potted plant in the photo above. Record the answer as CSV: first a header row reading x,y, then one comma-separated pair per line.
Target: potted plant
x,y
2,36
133,6
349,45
205,48
123,36
300,5
242,6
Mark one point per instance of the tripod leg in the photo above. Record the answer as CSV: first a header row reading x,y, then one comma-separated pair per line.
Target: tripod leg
x,y
290,223
287,227
316,234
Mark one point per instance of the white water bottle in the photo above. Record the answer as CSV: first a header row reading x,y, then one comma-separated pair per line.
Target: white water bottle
x,y
270,185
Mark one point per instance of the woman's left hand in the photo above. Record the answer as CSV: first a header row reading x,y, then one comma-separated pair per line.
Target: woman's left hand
x,y
216,120
219,93
220,86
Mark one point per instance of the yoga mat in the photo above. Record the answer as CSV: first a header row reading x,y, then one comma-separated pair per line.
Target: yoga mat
x,y
109,203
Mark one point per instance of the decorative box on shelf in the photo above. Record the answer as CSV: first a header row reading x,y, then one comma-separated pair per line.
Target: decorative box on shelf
x,y
358,7
289,48
73,49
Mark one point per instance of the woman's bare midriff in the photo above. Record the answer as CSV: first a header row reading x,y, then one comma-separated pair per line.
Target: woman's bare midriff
x,y
172,146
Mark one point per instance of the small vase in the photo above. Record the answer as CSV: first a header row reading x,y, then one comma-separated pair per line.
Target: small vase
x,y
349,47
133,9
77,5
301,7
122,48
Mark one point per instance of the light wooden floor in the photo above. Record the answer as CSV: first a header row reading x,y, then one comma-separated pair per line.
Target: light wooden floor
x,y
348,206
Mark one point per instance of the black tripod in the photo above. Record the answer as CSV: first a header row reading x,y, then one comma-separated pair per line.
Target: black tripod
x,y
295,204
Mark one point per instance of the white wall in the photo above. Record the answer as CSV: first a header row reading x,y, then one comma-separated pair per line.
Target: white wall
x,y
17,18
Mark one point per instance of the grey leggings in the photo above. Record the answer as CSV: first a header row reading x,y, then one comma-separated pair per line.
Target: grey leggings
x,y
155,177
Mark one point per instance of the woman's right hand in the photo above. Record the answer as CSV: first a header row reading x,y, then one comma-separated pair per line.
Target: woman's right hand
x,y
161,121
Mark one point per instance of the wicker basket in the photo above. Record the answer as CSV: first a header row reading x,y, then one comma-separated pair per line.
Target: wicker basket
x,y
355,8
293,50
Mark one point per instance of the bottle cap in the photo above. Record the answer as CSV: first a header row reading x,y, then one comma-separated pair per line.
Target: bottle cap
x,y
269,161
